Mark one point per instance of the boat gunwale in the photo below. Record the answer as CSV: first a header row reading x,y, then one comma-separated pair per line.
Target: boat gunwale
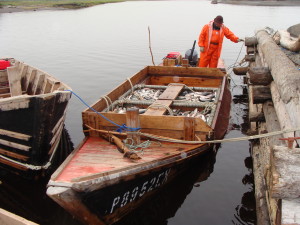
x,y
21,64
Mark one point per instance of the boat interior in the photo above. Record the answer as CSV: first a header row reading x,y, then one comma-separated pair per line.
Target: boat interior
x,y
169,100
21,79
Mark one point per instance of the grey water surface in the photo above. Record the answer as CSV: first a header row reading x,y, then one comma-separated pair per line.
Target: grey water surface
x,y
94,49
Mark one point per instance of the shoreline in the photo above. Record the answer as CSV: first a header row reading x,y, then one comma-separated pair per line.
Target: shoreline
x,y
12,9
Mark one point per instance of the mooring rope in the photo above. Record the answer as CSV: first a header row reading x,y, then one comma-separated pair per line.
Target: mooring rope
x,y
120,127
246,138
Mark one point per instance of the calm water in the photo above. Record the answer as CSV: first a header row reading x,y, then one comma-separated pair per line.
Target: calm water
x,y
96,48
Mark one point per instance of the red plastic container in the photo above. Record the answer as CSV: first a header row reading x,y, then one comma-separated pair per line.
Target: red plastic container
x,y
4,64
173,55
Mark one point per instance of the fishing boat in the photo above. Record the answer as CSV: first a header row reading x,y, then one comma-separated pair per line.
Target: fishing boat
x,y
139,137
32,113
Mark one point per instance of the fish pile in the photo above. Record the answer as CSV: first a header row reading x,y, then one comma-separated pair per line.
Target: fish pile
x,y
186,95
203,114
120,109
197,96
145,94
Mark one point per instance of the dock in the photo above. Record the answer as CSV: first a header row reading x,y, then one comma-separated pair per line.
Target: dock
x,y
272,78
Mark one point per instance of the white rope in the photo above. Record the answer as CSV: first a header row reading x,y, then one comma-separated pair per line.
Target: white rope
x,y
132,88
107,99
28,166
219,141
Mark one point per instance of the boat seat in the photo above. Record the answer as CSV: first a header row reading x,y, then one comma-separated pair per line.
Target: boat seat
x,y
164,101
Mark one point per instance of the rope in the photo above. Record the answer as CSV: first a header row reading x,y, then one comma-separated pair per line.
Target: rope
x,y
107,104
120,127
219,141
233,65
28,166
132,88
133,148
156,104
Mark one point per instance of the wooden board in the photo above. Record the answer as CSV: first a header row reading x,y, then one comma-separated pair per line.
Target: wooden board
x,y
161,105
147,122
158,108
99,156
172,91
14,81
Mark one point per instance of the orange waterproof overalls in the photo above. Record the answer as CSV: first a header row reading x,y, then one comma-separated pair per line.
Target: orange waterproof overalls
x,y
212,41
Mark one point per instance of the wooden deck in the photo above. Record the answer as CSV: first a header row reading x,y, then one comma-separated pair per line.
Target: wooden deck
x,y
97,156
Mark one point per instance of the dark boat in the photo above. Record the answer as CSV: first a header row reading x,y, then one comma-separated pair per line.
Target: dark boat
x,y
112,172
32,113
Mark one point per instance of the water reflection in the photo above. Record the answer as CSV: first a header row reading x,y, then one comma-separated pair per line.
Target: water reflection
x,y
27,198
245,212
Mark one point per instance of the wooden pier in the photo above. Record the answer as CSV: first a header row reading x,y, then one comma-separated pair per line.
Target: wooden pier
x,y
273,82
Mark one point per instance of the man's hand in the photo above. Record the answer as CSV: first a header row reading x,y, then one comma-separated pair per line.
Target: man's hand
x,y
201,49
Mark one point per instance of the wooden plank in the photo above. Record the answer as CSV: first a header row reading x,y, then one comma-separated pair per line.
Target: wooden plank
x,y
55,86
161,105
14,81
39,84
13,164
205,82
16,135
13,155
147,122
171,92
3,76
183,71
189,128
5,95
4,90
30,81
48,86
23,73
158,108
15,145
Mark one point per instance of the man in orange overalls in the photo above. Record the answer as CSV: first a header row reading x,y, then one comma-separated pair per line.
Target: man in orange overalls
x,y
211,40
